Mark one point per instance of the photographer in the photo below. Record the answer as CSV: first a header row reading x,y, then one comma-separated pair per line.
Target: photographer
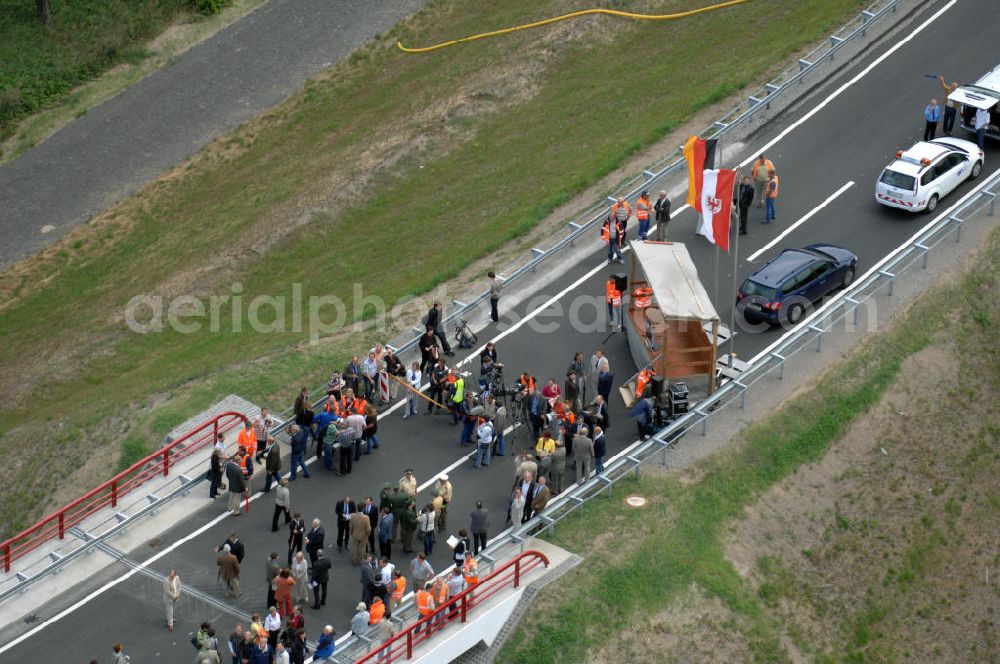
x,y
486,368
439,384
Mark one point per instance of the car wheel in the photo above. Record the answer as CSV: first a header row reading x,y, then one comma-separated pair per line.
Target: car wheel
x,y
848,278
932,204
795,314
976,168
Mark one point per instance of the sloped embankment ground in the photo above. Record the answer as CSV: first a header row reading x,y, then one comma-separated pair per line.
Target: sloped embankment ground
x,y
858,523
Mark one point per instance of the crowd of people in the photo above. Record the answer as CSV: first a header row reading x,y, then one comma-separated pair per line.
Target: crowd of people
x,y
565,419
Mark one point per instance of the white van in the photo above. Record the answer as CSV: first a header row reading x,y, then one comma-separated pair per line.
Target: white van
x,y
984,93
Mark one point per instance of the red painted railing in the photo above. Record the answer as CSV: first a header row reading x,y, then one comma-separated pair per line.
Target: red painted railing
x,y
401,645
113,490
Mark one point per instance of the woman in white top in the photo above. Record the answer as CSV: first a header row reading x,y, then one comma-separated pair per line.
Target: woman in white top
x,y
426,524
300,572
413,377
516,505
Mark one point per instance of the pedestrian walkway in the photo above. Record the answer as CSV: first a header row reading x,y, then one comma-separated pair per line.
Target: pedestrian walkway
x,y
107,154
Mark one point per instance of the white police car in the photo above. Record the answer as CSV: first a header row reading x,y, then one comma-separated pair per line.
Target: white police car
x,y
924,174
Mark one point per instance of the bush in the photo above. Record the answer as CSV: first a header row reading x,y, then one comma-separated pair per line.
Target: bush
x,y
209,7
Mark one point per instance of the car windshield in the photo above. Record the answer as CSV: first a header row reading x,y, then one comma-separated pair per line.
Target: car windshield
x,y
981,90
753,288
897,179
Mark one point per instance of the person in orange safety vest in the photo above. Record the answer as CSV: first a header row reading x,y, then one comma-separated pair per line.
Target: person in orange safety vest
x,y
425,603
642,381
613,297
247,438
470,570
398,588
615,237
377,611
643,208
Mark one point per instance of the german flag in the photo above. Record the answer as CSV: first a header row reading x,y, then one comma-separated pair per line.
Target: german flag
x,y
700,155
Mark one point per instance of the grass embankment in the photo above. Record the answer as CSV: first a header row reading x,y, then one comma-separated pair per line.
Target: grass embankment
x,y
93,51
393,171
681,558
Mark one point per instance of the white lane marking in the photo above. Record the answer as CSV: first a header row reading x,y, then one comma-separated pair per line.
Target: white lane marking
x,y
111,584
801,221
875,268
455,465
836,93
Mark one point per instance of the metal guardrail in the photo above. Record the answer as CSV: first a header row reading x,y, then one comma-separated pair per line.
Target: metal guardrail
x,y
807,335
108,493
457,608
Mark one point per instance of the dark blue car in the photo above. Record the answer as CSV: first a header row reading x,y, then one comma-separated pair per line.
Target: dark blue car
x,y
782,290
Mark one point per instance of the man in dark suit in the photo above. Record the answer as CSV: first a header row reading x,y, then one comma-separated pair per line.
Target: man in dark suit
x,y
314,540
235,547
320,577
368,572
662,209
745,199
369,509
345,508
604,380
596,414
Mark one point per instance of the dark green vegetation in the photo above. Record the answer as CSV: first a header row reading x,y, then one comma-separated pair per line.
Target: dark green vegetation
x,y
918,568
40,64
386,146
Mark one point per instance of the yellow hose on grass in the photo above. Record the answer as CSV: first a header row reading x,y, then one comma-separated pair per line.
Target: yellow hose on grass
x,y
566,17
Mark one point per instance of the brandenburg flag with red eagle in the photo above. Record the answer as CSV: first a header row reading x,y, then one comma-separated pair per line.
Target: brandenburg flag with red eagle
x,y
716,205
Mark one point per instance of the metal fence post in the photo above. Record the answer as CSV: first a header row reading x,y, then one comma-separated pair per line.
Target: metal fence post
x,y
819,336
62,525
892,280
926,251
6,558
781,366
704,421
857,306
166,462
114,493
517,572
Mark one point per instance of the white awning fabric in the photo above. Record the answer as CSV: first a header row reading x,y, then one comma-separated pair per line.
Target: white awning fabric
x,y
671,274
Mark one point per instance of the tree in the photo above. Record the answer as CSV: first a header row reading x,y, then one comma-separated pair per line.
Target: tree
x,y
44,12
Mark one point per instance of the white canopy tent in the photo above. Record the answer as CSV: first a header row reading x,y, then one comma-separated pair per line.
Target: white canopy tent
x,y
671,273
668,330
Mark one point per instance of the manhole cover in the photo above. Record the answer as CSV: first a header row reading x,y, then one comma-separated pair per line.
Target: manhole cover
x,y
32,619
155,542
636,501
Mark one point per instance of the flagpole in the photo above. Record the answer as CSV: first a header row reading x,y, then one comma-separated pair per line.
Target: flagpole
x,y
736,262
717,272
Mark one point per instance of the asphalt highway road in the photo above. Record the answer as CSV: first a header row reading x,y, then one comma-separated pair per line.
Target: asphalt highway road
x,y
851,139
155,124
